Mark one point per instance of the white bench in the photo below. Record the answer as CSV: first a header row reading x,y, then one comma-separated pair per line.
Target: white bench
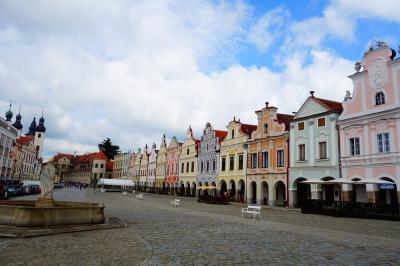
x,y
253,210
139,196
176,203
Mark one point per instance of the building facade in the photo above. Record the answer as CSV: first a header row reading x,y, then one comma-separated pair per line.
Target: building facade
x,y
152,168
267,158
161,166
173,152
26,163
136,168
121,165
208,161
131,167
314,151
144,164
8,137
188,165
233,161
369,129
85,169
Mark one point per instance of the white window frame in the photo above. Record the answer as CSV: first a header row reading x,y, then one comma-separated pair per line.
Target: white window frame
x,y
350,146
385,148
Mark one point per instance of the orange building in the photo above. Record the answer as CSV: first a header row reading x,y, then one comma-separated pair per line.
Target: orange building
x,y
268,158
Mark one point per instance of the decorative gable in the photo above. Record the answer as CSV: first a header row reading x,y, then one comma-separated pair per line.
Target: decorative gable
x,y
310,107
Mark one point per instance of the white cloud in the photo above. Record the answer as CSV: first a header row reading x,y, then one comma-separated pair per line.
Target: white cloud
x,y
268,28
134,70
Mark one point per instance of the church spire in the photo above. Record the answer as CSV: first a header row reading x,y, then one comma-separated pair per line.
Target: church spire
x,y
9,114
17,124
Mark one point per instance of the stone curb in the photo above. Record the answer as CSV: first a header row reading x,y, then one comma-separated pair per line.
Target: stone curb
x,y
15,232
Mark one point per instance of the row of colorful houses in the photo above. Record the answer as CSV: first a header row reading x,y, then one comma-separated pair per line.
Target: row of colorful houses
x,y
347,151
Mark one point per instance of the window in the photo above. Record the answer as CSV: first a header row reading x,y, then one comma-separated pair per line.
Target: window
x,y
279,158
379,98
96,165
265,128
383,142
241,162
300,126
231,163
213,165
223,164
322,150
187,151
208,166
233,134
187,167
182,167
192,167
264,160
302,152
102,165
201,166
354,146
321,122
39,136
254,160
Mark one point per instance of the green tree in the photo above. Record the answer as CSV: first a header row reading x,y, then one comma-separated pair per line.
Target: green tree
x,y
108,148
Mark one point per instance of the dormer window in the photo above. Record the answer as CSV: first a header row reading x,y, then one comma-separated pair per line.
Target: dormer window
x,y
265,128
379,98
233,134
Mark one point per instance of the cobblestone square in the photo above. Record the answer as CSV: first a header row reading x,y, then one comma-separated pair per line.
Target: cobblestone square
x,y
201,234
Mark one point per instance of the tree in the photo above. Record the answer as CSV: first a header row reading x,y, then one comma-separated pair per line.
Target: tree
x,y
108,148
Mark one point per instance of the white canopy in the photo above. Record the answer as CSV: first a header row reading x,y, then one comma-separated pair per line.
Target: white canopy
x,y
372,181
313,181
115,182
30,182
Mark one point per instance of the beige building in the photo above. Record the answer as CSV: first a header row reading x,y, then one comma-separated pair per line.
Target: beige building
x,y
136,168
161,165
81,168
121,165
8,136
26,162
144,164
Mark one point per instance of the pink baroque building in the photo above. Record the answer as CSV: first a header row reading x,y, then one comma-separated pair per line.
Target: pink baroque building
x,y
369,129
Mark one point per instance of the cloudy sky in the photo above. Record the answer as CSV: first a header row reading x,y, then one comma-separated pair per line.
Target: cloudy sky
x,y
133,70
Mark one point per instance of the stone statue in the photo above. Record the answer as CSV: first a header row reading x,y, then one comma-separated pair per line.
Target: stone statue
x,y
348,96
46,180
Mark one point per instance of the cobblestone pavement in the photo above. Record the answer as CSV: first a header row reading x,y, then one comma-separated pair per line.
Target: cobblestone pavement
x,y
201,234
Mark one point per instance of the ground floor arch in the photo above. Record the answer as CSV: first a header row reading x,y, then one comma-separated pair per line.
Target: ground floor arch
x,y
264,193
280,193
253,192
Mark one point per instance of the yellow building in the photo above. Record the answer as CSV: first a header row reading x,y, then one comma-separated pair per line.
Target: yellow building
x,y
161,166
144,167
136,168
233,160
188,165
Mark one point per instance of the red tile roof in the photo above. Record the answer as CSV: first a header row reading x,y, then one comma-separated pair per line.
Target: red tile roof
x,y
24,140
62,155
247,129
284,118
221,135
330,105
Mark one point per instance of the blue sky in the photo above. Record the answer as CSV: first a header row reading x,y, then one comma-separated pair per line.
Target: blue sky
x,y
132,70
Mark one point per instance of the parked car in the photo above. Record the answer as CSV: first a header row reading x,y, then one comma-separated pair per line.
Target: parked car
x,y
11,192
58,185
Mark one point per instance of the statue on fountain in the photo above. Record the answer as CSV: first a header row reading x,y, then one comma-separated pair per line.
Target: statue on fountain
x,y
46,185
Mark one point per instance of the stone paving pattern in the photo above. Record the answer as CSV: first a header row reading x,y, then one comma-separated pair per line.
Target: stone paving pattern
x,y
202,234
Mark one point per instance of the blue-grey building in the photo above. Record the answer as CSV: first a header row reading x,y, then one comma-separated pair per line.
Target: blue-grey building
x,y
208,156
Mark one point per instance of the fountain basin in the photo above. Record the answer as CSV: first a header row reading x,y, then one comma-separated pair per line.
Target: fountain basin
x,y
28,214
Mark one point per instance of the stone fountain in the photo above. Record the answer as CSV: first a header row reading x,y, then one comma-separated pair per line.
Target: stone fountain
x,y
47,213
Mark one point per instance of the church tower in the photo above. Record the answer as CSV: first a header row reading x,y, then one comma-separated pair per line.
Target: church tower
x,y
40,130
17,124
